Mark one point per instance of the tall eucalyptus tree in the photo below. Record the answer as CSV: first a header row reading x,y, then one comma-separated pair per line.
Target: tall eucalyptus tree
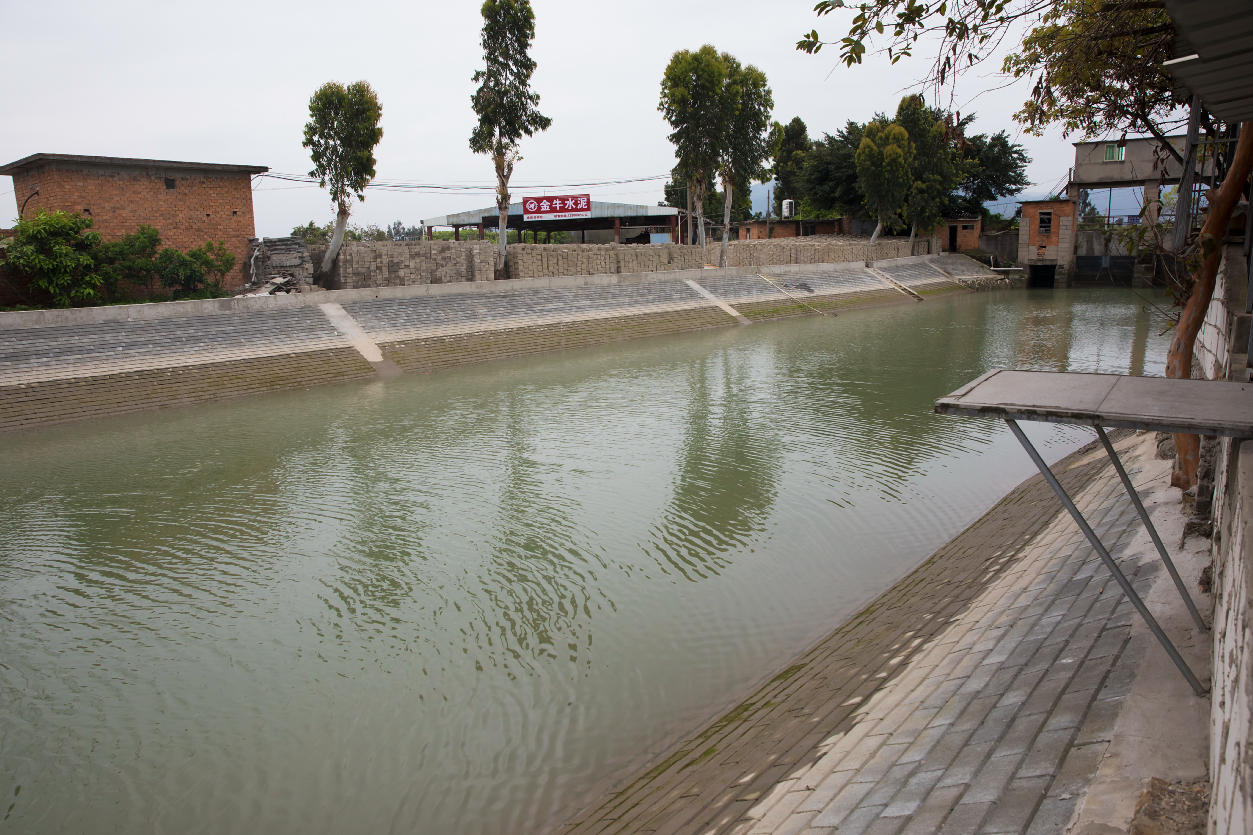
x,y
342,132
506,105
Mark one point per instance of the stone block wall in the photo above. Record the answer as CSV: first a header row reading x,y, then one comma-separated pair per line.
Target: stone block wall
x,y
833,250
547,261
278,257
369,264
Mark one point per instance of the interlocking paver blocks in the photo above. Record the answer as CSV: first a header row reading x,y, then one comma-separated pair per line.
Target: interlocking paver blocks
x,y
991,721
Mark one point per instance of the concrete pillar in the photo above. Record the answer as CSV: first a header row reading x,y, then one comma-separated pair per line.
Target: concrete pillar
x,y
617,230
456,233
1152,201
480,230
582,236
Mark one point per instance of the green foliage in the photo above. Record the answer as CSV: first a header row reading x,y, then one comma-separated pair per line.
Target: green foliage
x,y
342,132
789,145
830,177
131,259
964,31
741,204
992,168
506,105
56,251
719,112
744,144
934,173
399,232
1098,68
214,258
180,272
692,103
885,161
311,233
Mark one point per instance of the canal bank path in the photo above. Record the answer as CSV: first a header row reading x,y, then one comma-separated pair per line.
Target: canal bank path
x,y
1004,686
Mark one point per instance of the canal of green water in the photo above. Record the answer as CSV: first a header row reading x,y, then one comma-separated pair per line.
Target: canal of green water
x,y
458,602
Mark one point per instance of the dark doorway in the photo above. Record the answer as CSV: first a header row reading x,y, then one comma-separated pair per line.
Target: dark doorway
x,y
952,239
1041,275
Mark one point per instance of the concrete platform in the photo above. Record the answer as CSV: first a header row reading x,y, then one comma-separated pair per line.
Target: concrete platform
x,y
984,693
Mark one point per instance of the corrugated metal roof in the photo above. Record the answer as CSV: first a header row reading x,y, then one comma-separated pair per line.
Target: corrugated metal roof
x,y
599,210
1220,70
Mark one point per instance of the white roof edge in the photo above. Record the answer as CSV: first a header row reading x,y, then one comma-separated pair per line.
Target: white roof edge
x,y
599,209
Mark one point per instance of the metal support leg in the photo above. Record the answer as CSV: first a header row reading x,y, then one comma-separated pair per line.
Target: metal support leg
x,y
1106,558
1157,540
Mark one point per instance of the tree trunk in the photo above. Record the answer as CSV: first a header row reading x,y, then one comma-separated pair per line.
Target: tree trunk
x,y
337,239
699,199
1222,202
504,169
874,237
726,217
913,230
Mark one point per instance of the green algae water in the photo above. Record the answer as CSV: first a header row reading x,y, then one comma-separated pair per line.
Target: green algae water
x,y
462,602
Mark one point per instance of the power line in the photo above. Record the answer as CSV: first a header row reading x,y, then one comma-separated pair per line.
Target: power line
x,y
417,185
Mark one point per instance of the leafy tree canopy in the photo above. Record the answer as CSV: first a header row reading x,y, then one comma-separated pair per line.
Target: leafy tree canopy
x,y
789,145
830,175
341,134
1098,70
885,160
55,251
507,107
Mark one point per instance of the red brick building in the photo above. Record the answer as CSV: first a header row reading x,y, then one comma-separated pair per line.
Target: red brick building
x,y
1046,241
190,203
959,234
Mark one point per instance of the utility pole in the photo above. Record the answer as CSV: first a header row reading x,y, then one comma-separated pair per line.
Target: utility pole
x,y
769,198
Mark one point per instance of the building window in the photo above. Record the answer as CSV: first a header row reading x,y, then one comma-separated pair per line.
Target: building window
x,y
1046,223
1113,153
169,183
968,227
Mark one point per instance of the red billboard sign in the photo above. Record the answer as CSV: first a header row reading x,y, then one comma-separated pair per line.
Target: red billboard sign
x,y
557,208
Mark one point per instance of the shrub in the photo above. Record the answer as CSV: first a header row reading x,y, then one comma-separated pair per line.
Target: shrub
x,y
132,259
56,251
195,274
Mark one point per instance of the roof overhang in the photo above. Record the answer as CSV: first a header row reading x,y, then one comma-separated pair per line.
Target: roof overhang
x,y
600,211
1219,67
77,161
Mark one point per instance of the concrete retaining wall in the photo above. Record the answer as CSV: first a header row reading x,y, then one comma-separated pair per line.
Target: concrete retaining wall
x,y
58,366
1220,355
367,264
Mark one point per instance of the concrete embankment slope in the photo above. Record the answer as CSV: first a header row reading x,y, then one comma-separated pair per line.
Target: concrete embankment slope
x,y
63,366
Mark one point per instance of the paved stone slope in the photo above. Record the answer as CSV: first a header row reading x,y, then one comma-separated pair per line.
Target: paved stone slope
x,y
969,698
774,293
54,373
922,278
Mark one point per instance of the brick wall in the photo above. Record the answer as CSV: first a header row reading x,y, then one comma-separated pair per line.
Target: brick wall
x,y
201,207
1057,245
968,232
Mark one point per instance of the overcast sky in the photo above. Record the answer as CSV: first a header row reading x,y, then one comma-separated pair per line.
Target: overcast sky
x,y
230,81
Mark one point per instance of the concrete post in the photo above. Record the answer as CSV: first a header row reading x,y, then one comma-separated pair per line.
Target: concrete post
x,y
456,233
480,230
617,230
1152,201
